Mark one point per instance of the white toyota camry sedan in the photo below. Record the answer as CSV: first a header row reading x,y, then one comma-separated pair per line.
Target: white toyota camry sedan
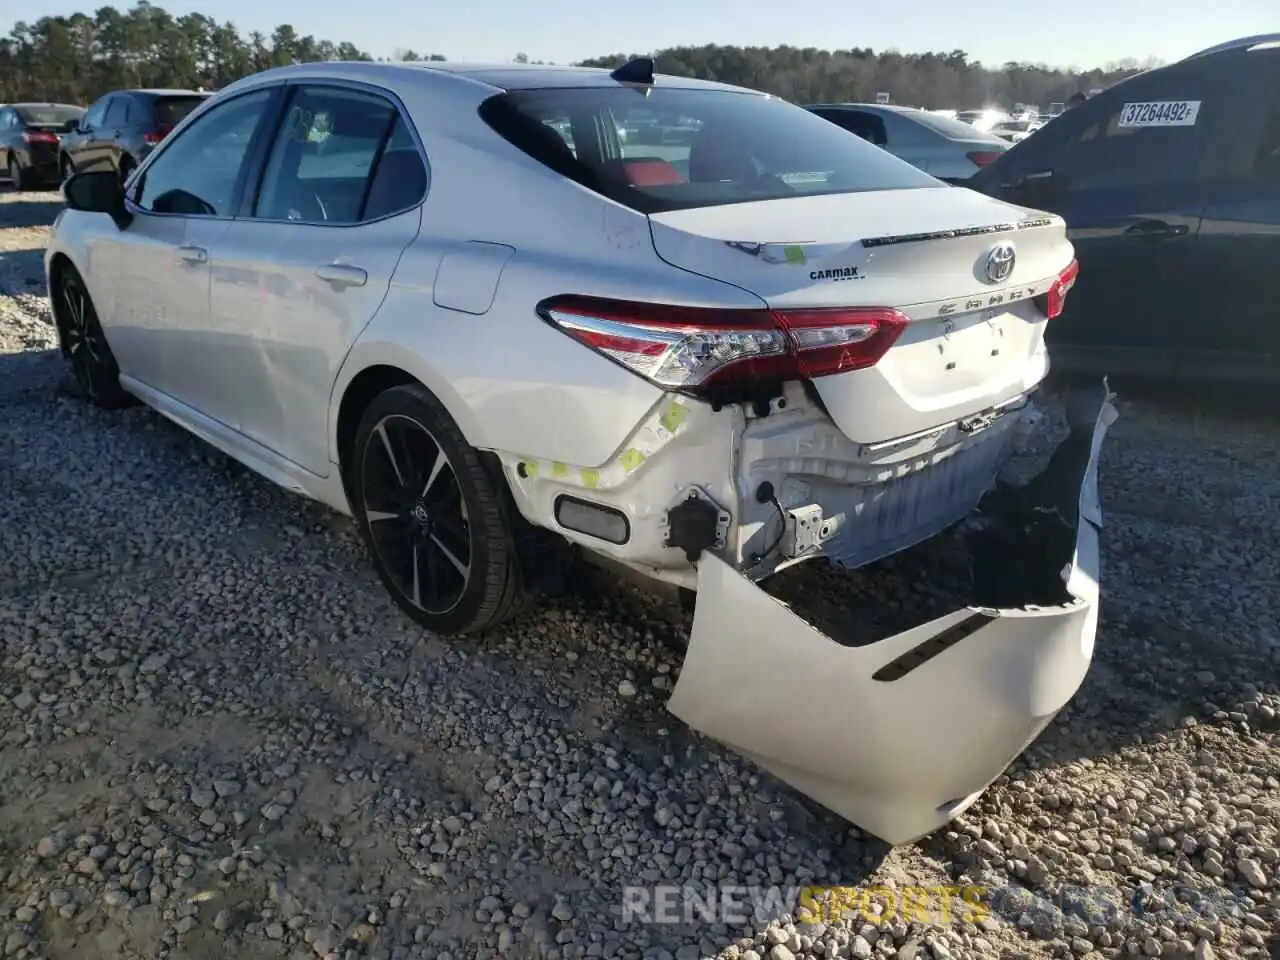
x,y
688,330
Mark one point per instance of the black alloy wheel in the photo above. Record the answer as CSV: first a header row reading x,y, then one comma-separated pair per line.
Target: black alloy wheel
x,y
416,514
439,527
85,345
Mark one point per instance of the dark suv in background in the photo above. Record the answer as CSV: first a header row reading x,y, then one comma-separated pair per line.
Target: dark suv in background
x,y
30,134
122,127
1170,186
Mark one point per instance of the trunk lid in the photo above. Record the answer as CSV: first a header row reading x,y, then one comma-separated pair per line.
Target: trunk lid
x,y
973,343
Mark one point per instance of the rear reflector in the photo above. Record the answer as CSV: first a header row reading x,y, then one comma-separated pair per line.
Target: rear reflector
x,y
593,519
981,158
701,350
39,136
1054,301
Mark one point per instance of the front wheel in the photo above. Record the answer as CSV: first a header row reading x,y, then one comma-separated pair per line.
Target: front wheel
x,y
439,528
85,345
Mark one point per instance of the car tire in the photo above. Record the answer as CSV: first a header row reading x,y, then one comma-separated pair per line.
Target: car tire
x,y
442,531
20,178
84,343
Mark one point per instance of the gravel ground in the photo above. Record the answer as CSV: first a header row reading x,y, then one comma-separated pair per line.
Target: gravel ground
x,y
219,739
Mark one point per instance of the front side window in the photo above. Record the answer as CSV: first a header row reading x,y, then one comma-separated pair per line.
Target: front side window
x,y
196,174
93,119
117,113
693,147
325,163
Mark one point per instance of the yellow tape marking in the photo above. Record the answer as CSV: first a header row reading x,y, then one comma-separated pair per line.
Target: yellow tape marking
x,y
673,417
631,459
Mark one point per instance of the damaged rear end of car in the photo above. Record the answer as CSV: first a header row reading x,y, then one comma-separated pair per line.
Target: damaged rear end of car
x,y
856,390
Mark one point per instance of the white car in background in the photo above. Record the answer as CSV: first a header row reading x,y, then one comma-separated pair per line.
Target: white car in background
x,y
448,301
1015,131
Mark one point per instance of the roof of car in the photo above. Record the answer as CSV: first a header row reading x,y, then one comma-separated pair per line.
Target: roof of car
x,y
526,76
1241,43
495,76
41,103
163,92
887,107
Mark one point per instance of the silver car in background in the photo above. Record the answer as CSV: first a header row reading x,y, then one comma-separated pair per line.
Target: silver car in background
x,y
947,149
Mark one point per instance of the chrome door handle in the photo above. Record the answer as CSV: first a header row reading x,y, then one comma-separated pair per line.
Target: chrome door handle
x,y
342,275
193,254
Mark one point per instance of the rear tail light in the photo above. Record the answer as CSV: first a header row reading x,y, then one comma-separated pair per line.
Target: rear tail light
x,y
981,158
706,350
39,136
1054,301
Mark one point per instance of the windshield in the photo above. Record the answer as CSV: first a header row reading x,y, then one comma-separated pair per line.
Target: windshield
x,y
951,129
49,114
169,111
656,150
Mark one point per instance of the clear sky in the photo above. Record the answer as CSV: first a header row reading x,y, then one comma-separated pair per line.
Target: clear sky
x,y
1060,32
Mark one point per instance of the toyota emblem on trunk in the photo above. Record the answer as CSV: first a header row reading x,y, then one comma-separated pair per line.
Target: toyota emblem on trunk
x,y
1000,263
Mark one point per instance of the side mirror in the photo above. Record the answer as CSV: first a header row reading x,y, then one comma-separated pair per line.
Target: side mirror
x,y
98,192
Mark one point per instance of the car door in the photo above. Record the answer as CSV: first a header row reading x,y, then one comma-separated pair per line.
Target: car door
x,y
304,270
114,124
182,200
1125,170
81,146
1238,255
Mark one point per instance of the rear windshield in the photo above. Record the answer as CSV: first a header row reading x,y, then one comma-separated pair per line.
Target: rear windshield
x,y
951,129
49,115
659,150
170,111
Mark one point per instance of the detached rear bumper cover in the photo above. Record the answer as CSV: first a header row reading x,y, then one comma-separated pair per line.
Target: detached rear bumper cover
x,y
904,734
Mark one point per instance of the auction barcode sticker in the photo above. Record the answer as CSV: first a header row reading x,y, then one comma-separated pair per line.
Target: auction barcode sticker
x,y
1160,113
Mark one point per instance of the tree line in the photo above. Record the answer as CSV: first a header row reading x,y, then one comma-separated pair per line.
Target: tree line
x,y
78,58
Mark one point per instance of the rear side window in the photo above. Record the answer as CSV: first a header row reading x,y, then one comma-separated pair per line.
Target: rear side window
x,y
666,149
951,129
1152,129
168,112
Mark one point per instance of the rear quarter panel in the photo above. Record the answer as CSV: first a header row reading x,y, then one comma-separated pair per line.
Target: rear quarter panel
x,y
514,383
